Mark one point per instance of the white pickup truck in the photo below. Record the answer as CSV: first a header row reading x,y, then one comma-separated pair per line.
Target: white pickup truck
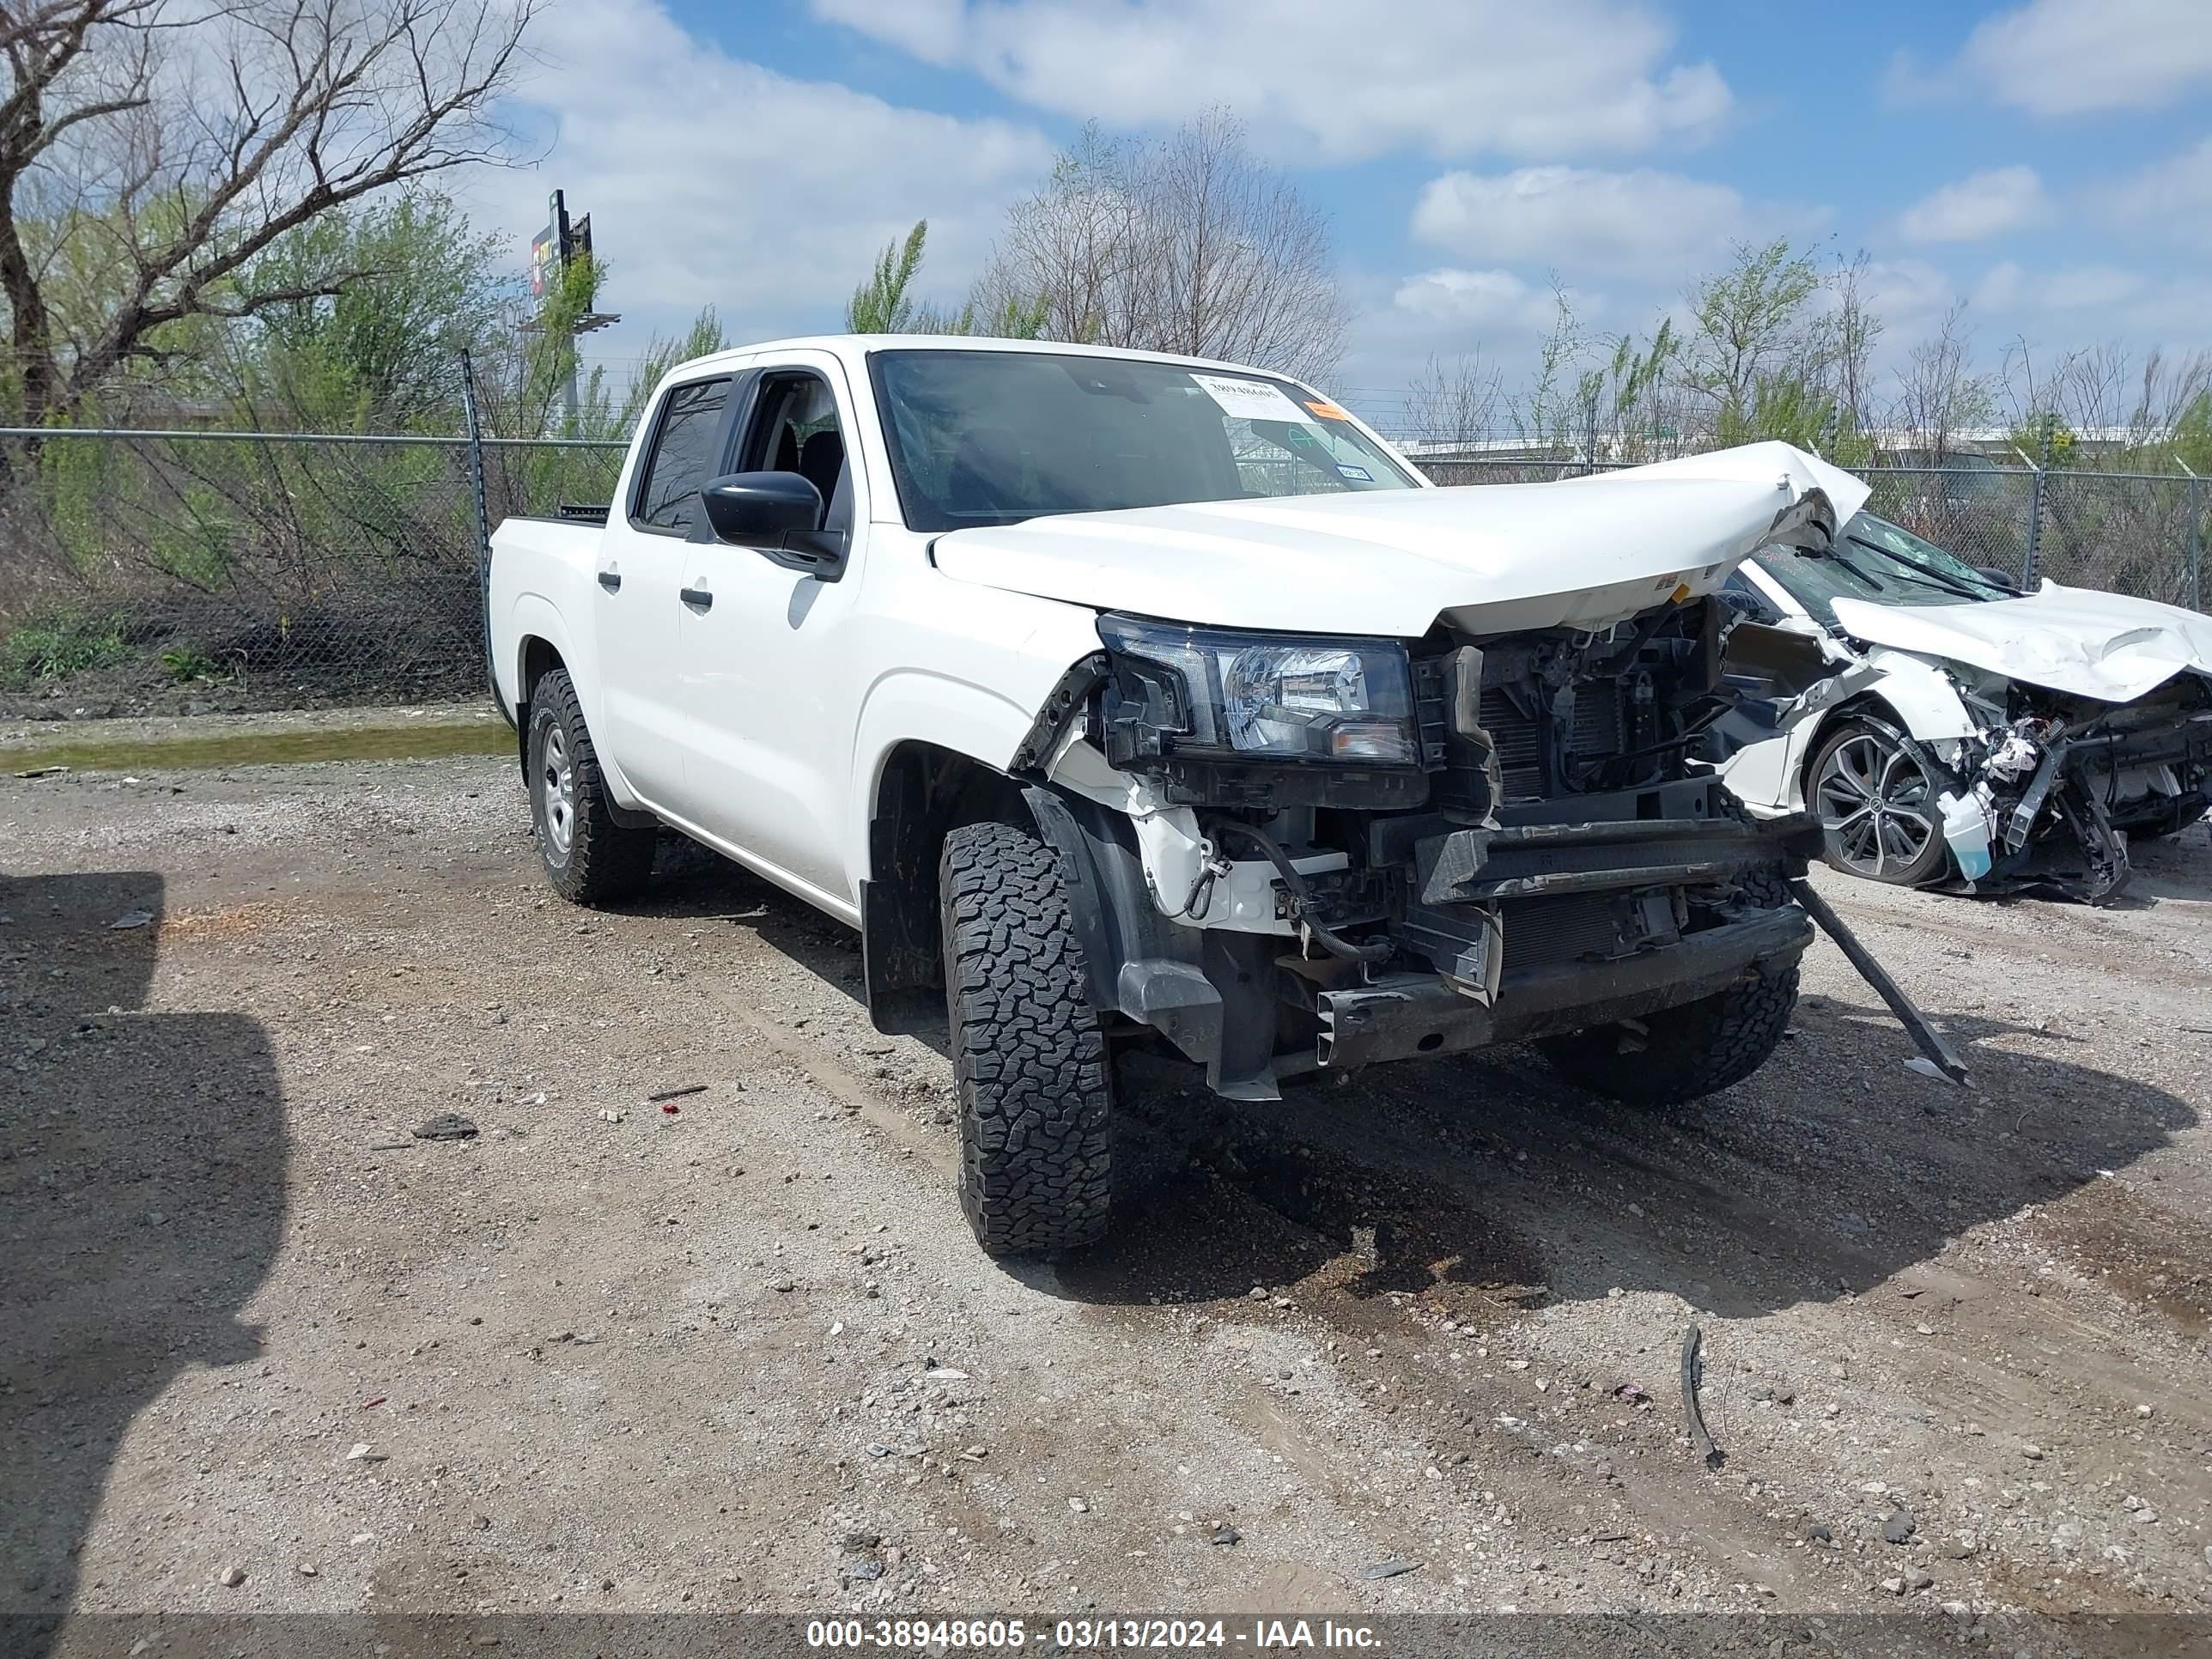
x,y
1116,698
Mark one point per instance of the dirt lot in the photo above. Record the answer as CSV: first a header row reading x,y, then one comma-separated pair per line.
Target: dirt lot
x,y
743,1354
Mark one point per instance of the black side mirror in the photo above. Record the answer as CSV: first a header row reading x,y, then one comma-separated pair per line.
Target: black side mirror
x,y
2004,578
779,515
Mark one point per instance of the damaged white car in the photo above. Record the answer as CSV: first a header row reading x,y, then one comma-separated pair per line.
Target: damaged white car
x,y
1950,729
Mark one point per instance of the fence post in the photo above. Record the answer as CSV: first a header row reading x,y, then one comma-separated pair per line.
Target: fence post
x,y
483,521
2029,558
2196,536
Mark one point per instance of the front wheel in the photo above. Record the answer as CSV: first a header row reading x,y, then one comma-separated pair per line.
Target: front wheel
x,y
1029,1052
1877,807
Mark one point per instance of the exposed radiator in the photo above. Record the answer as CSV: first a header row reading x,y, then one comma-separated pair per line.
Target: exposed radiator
x,y
1542,932
1598,732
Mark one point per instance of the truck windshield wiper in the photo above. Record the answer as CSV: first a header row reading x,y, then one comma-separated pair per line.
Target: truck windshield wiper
x,y
1831,554
1914,571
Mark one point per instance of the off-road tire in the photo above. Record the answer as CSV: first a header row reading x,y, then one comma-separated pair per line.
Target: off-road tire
x,y
1029,1052
1691,1051
601,861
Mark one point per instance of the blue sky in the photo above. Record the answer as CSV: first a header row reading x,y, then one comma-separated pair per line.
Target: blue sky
x,y
2048,162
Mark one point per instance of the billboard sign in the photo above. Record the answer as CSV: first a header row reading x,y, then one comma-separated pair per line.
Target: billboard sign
x,y
545,263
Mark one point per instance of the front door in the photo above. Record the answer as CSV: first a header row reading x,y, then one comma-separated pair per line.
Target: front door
x,y
771,718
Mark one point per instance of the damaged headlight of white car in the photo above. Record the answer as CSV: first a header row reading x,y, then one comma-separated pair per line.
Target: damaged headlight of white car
x,y
1215,694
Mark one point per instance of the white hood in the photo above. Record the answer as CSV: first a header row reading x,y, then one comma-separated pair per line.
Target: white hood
x,y
2070,639
1496,558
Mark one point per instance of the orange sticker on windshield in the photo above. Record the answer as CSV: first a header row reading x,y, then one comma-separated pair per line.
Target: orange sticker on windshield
x,y
1328,412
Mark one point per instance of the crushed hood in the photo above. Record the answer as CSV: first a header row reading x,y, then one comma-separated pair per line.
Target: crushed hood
x,y
2069,639
1582,552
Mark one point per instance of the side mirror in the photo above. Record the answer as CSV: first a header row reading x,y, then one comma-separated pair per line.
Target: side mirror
x,y
779,515
2002,578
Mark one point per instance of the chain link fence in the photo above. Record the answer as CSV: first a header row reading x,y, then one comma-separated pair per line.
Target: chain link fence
x,y
192,571
2140,533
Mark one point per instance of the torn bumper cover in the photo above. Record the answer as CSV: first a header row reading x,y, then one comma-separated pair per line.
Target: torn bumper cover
x,y
1526,929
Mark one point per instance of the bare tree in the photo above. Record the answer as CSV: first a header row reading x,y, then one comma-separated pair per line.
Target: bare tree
x,y
151,150
1938,393
1847,336
1456,402
1188,244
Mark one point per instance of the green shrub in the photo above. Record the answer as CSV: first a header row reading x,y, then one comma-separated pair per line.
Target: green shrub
x,y
189,662
59,644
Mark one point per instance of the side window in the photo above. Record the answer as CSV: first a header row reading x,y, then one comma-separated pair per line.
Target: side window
x,y
683,455
795,429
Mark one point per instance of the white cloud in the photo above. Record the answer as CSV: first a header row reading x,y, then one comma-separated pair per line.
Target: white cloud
x,y
2078,305
2085,288
2070,57
1907,295
1661,224
712,180
2174,195
1450,77
1985,204
1476,300
2003,287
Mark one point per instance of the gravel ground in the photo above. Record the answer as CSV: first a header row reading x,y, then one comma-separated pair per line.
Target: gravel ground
x,y
268,1350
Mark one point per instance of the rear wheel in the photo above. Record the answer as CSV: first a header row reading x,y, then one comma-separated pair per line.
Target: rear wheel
x,y
588,857
1029,1052
1877,807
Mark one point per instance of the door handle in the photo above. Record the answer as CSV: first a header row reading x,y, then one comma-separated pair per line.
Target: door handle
x,y
699,598
611,580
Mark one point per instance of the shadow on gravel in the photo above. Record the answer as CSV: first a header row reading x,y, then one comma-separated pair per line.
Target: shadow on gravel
x,y
1486,1185
2177,867
141,1202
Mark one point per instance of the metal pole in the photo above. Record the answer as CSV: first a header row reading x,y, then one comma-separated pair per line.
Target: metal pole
x,y
1925,1038
2196,536
483,523
2033,553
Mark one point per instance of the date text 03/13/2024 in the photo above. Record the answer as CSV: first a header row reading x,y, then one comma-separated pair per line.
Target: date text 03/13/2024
x,y
1257,1635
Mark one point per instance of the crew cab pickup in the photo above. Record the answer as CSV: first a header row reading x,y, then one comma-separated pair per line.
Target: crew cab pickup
x,y
1118,699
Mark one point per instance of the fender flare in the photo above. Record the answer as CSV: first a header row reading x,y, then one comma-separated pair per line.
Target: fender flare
x,y
534,616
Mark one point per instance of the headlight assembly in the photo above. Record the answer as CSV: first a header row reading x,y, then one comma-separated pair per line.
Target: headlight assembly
x,y
1222,695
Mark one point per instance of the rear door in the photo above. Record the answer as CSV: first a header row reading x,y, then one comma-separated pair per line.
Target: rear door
x,y
640,579
771,706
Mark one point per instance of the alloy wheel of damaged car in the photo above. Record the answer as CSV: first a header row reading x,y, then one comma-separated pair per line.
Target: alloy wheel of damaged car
x,y
1877,807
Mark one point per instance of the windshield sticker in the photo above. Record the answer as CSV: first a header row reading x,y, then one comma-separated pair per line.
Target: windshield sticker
x,y
1357,474
1248,400
1328,412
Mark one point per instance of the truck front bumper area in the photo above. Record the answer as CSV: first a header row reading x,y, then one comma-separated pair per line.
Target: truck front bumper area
x,y
1530,928
1407,1016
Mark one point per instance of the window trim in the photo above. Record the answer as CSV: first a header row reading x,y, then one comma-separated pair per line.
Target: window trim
x,y
765,378
734,405
742,436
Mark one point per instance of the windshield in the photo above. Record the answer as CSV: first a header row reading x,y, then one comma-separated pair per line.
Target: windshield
x,y
1881,562
994,437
